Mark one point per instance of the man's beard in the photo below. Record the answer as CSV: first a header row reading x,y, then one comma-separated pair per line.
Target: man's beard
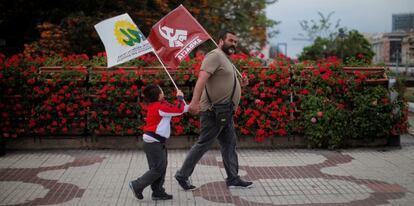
x,y
229,50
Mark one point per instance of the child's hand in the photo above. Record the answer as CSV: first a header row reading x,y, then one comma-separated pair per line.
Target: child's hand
x,y
180,93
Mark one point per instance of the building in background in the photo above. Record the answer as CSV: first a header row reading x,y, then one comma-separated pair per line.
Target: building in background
x,y
387,48
395,48
403,22
407,50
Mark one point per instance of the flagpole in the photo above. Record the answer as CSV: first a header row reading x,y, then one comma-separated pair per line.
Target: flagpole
x,y
166,70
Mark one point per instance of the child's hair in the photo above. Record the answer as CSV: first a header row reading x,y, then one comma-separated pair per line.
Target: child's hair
x,y
151,93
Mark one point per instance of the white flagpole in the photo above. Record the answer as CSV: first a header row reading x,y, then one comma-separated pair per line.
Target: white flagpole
x,y
166,70
172,80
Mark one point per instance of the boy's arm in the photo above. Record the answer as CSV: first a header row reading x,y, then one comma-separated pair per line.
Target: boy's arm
x,y
168,110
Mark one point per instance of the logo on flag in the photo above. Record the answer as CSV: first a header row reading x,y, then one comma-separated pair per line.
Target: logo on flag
x,y
122,39
127,33
174,41
176,35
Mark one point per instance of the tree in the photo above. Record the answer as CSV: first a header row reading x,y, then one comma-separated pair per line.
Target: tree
x,y
323,28
77,18
320,49
347,45
247,18
353,45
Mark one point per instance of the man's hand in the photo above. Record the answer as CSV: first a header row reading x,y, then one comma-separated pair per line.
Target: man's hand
x,y
194,108
244,81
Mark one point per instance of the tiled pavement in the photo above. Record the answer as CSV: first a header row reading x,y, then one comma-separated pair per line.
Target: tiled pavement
x,y
375,176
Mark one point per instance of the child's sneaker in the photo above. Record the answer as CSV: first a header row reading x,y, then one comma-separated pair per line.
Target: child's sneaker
x,y
185,184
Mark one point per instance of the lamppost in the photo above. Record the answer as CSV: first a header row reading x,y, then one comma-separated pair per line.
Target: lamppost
x,y
278,45
396,55
341,36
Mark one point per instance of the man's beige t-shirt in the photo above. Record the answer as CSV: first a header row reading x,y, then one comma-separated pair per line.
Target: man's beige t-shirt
x,y
220,83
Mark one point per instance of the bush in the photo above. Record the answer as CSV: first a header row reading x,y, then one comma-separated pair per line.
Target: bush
x,y
317,99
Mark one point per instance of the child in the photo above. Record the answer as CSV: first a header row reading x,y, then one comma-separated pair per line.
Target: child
x,y
156,131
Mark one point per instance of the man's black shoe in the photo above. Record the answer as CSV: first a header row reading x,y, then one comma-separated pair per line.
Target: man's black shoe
x,y
238,183
161,196
185,184
136,190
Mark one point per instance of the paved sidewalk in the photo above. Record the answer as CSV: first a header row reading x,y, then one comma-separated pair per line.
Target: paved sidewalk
x,y
282,177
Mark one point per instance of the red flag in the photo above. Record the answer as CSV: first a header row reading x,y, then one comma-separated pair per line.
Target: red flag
x,y
176,35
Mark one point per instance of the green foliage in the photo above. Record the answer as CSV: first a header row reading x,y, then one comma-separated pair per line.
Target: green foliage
x,y
251,21
324,123
78,18
371,113
350,46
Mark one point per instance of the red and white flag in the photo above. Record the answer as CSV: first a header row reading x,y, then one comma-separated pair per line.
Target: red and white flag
x,y
176,35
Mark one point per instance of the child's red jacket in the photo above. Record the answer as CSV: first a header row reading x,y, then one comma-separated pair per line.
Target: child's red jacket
x,y
159,116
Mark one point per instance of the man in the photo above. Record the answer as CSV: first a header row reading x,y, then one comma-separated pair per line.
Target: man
x,y
218,77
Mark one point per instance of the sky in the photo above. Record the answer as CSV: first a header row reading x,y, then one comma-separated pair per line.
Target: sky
x,y
370,16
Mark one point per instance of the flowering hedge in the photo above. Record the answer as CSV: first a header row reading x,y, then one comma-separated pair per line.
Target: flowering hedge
x,y
80,97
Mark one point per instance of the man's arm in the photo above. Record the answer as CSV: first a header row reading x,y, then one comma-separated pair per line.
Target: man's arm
x,y
198,90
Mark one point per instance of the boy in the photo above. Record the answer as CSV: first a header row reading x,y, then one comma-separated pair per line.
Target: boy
x,y
156,131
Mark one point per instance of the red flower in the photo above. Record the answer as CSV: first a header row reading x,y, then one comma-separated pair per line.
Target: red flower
x,y
64,129
259,138
325,76
32,123
319,114
304,92
251,121
281,132
244,131
31,81
179,130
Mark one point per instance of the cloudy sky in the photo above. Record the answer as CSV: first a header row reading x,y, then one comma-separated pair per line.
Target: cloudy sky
x,y
363,15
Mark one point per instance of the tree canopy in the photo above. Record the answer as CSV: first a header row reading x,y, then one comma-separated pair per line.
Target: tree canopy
x,y
346,45
46,26
330,39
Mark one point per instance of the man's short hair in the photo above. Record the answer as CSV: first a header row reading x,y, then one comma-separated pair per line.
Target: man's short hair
x,y
152,93
223,34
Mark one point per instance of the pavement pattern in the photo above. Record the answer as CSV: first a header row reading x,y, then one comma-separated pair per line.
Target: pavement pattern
x,y
364,176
